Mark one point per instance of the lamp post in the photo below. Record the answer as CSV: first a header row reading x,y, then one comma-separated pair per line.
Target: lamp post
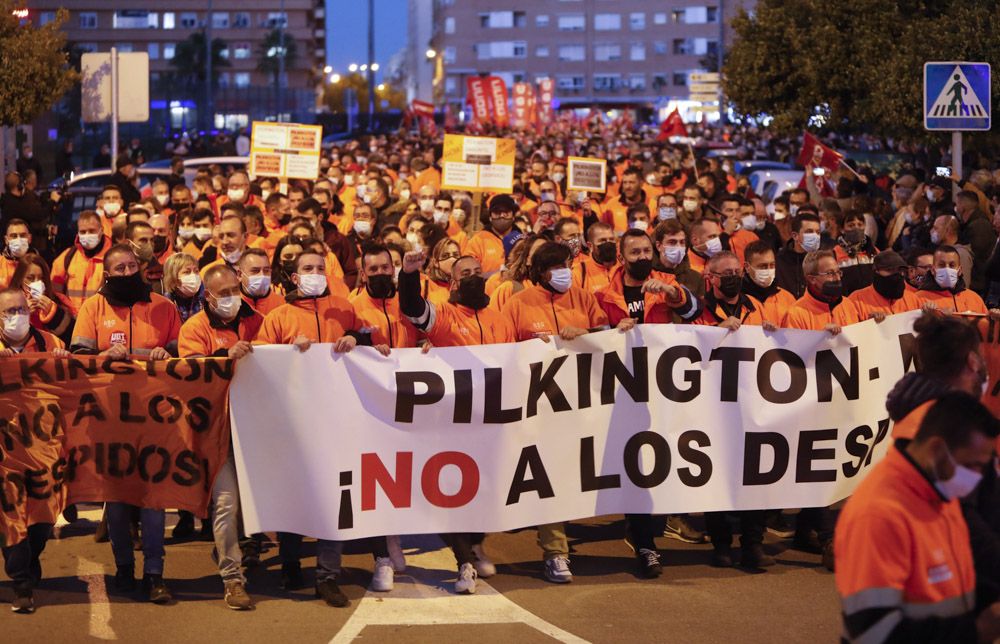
x,y
372,68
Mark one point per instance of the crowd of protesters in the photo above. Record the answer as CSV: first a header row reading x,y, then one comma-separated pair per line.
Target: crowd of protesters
x,y
374,252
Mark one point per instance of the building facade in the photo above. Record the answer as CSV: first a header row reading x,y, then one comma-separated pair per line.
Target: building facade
x,y
243,92
599,52
419,39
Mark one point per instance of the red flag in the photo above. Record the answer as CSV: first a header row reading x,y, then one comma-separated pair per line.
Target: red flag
x,y
478,98
815,155
546,87
422,109
498,95
672,126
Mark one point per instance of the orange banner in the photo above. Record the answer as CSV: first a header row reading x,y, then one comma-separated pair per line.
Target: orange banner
x,y
152,434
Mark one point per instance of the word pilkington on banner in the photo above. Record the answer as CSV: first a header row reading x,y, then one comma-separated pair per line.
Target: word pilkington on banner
x,y
666,419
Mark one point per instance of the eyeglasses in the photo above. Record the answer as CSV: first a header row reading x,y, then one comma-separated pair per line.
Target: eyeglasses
x,y
735,273
445,258
836,273
501,215
14,310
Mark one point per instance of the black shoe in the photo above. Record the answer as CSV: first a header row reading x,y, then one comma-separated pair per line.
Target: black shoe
x,y
722,558
24,602
251,554
330,592
207,533
677,527
70,513
125,580
649,563
291,577
779,525
807,543
101,534
185,526
828,558
155,590
754,557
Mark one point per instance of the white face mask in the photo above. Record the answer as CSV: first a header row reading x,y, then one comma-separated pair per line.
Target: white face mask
x,y
36,289
227,307
16,326
414,240
90,240
202,233
561,280
264,194
349,180
362,190
713,247
548,196
235,194
190,283
426,205
112,208
558,176
810,242
440,217
946,277
793,209
458,216
366,198
961,484
233,257
183,233
673,255
666,212
258,285
17,246
639,224
404,195
690,205
749,222
363,228
312,284
764,277
162,199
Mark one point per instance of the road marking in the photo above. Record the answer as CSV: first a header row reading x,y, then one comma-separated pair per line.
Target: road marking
x,y
424,595
92,573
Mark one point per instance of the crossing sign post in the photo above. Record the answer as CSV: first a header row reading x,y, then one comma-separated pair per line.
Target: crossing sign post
x,y
957,99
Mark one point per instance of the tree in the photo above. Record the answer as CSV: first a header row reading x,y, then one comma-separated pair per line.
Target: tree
x,y
189,63
856,64
335,94
271,52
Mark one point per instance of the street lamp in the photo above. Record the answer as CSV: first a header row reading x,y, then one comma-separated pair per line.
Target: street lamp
x,y
364,68
374,67
327,69
381,87
353,67
334,78
430,53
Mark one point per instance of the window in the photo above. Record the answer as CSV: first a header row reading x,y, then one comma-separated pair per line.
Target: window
x,y
275,19
520,50
220,20
680,79
696,15
241,20
450,85
124,47
542,20
659,18
607,52
660,48
637,51
498,19
572,53
135,19
46,17
711,14
520,19
88,20
449,55
574,83
541,52
695,47
681,47
607,21
659,81
153,49
241,79
189,21
223,80
449,25
241,50
86,47
574,22
168,50
224,53
637,81
610,82
501,49
169,18
637,21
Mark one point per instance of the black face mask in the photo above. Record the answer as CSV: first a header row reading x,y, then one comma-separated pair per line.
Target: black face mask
x,y
471,292
284,219
891,288
502,225
381,287
854,237
159,244
605,253
831,291
127,289
730,285
640,269
288,267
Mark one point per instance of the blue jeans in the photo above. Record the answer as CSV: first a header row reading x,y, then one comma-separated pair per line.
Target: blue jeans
x,y
21,560
328,554
119,519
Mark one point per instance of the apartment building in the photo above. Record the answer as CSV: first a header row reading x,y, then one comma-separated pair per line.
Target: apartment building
x,y
600,52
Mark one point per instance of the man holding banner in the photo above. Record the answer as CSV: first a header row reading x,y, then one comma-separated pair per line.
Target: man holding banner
x,y
125,318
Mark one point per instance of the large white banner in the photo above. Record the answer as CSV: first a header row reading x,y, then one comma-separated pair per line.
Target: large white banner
x,y
662,419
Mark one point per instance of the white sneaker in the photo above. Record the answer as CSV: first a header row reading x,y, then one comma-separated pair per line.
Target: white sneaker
x,y
484,567
466,582
396,553
383,577
557,570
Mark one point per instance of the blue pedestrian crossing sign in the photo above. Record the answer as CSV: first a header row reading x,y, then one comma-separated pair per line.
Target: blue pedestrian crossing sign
x,y
957,96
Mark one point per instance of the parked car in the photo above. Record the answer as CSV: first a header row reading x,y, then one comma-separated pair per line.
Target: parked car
x,y
192,166
769,184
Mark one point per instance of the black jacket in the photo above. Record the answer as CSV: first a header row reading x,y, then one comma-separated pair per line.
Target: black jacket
x,y
977,233
788,270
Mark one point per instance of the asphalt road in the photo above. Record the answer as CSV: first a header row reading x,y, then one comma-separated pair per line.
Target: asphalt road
x,y
794,601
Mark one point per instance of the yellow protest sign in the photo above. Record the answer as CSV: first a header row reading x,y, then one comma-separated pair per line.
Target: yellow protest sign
x,y
587,174
285,150
478,163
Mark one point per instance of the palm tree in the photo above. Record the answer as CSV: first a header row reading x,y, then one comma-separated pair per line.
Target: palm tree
x,y
189,63
271,52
